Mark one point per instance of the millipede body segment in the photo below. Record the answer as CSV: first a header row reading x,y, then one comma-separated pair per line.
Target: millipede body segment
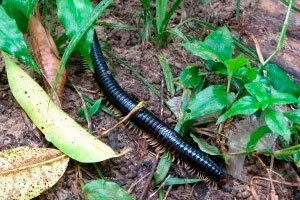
x,y
151,124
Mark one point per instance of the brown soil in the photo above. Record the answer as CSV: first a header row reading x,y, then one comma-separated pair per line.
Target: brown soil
x,y
129,170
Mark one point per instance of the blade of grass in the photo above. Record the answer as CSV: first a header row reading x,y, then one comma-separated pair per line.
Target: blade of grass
x,y
45,11
169,14
161,10
287,3
237,9
167,73
100,8
146,6
282,33
117,26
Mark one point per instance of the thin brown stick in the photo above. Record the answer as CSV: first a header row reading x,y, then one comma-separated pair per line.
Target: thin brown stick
x,y
134,110
168,192
257,47
278,182
145,190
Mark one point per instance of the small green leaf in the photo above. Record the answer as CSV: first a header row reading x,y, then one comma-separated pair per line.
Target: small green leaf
x,y
180,181
167,73
278,123
58,127
217,67
281,81
12,41
296,158
217,46
259,90
189,77
247,73
105,190
278,98
92,110
220,42
294,116
162,168
210,100
246,105
205,147
256,136
73,14
235,64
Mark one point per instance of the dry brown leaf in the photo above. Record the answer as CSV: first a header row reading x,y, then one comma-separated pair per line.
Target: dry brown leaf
x,y
45,54
26,172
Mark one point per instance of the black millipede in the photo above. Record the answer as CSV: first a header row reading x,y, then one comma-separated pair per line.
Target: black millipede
x,y
160,132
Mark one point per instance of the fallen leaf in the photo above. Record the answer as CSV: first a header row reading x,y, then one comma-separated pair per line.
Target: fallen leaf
x,y
59,128
45,55
27,172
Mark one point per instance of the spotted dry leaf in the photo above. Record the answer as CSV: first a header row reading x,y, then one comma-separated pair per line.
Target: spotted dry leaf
x,y
26,172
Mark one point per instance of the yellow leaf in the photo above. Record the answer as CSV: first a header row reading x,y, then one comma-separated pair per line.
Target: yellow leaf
x,y
60,129
26,172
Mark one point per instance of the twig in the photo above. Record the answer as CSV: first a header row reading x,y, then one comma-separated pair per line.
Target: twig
x,y
273,193
271,186
132,186
257,47
145,190
168,192
132,112
278,182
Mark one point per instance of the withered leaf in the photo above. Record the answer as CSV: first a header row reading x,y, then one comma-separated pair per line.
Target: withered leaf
x,y
26,172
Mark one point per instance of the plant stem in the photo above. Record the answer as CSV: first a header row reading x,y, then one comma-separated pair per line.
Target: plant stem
x,y
282,34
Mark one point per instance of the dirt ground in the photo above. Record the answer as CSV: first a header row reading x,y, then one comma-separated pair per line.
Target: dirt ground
x,y
261,18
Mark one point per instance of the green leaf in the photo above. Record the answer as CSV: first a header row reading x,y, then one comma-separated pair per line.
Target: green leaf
x,y
169,14
278,123
294,116
205,147
105,190
162,168
256,136
281,81
189,77
26,6
210,100
247,73
278,98
16,14
167,73
60,129
92,110
73,14
296,158
235,64
12,41
180,181
259,90
217,46
246,105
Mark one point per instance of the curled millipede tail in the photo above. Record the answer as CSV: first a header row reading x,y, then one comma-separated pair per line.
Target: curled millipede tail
x,y
163,136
